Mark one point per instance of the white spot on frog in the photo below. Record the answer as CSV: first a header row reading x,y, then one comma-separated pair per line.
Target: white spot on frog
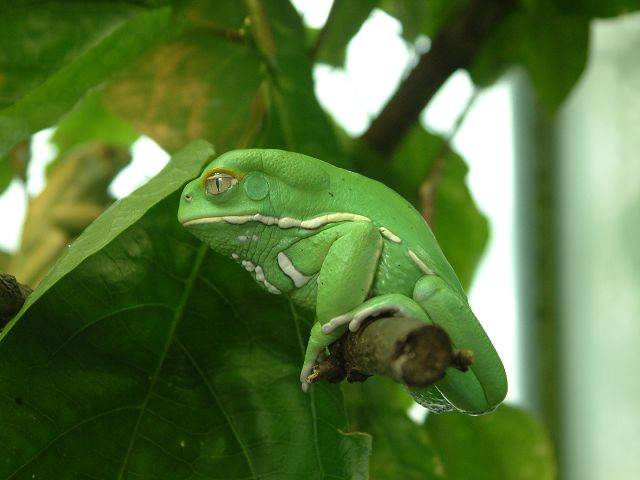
x,y
249,266
389,235
261,278
419,263
288,268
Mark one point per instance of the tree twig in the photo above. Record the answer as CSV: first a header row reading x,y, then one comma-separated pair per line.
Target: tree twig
x,y
454,47
409,351
12,296
431,184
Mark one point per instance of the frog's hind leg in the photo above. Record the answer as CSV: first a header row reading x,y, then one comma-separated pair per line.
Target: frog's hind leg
x,y
484,385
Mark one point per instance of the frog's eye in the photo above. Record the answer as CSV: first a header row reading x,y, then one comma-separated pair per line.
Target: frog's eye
x,y
219,182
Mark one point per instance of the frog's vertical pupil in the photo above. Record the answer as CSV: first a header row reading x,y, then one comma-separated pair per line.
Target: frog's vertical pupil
x,y
219,183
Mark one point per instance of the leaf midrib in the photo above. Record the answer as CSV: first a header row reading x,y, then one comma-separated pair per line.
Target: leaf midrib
x,y
178,314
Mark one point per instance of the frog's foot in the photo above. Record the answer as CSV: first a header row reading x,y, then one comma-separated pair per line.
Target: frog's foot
x,y
304,375
393,304
316,352
307,376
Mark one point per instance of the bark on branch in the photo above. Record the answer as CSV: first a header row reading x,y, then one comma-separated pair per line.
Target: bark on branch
x,y
454,47
409,351
12,296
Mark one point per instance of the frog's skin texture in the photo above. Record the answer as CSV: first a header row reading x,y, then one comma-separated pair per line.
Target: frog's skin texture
x,y
345,246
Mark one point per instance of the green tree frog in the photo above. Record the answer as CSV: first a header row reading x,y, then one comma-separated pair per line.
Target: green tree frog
x,y
347,247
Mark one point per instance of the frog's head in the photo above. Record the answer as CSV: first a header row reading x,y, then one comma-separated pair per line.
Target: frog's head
x,y
244,183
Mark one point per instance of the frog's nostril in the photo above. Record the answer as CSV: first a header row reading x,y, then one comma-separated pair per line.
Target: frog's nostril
x,y
188,197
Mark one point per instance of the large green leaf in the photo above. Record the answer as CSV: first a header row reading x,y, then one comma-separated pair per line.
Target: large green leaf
x,y
595,8
76,66
89,122
401,449
143,354
198,85
508,444
92,122
293,119
554,56
37,40
550,38
422,17
345,20
6,174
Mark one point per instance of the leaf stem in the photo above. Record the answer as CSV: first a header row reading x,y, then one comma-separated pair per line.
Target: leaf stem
x,y
13,294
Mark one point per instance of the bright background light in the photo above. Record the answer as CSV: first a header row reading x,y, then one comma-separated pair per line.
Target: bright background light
x,y
377,59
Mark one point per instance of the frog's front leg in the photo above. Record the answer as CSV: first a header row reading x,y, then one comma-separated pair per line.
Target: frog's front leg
x,y
390,304
343,282
322,335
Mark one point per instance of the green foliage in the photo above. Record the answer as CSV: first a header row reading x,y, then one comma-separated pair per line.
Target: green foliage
x,y
401,448
550,39
421,18
6,174
139,354
48,99
142,353
553,56
91,121
343,23
166,94
293,118
58,36
508,444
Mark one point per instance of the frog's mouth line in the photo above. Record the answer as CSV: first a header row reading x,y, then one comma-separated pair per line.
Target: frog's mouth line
x,y
201,221
283,222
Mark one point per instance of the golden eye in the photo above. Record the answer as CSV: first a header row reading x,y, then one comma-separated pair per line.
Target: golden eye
x,y
219,182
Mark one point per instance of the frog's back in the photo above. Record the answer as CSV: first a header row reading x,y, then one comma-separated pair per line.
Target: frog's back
x,y
329,189
400,223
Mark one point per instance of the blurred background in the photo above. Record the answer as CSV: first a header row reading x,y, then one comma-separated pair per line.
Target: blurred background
x,y
553,165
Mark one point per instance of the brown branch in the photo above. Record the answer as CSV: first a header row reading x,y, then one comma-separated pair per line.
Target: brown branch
x,y
409,351
454,47
428,192
12,296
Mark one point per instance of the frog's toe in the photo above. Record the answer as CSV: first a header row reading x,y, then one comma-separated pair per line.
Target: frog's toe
x,y
357,320
307,374
304,374
375,311
336,322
